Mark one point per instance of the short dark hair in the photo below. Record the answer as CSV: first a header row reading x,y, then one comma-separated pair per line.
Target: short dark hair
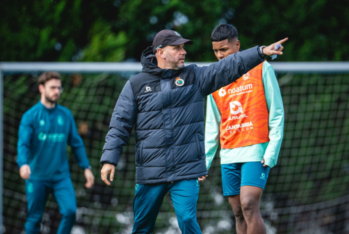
x,y
223,32
46,76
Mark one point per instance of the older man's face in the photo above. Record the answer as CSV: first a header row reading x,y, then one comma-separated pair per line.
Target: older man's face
x,y
174,56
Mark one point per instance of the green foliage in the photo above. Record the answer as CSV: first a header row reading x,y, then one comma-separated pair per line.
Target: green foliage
x,y
116,30
105,46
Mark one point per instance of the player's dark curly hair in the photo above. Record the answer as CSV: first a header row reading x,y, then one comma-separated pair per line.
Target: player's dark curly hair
x,y
223,32
46,76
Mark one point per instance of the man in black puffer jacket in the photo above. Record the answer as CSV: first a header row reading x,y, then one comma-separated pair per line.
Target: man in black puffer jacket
x,y
165,103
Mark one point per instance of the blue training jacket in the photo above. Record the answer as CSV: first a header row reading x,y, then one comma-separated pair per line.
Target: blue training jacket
x,y
42,142
167,109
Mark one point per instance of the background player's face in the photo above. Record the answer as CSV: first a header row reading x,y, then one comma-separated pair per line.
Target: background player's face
x,y
174,56
51,90
224,48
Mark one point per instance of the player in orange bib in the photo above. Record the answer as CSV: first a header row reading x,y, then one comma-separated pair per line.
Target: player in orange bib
x,y
247,119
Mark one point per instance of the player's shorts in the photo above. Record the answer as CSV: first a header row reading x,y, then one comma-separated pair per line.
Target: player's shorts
x,y
236,175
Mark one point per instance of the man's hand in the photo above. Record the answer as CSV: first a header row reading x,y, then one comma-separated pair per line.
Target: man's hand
x,y
107,169
25,172
270,50
202,178
263,162
90,179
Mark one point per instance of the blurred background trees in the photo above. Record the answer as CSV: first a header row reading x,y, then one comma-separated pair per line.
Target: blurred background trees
x,y
119,30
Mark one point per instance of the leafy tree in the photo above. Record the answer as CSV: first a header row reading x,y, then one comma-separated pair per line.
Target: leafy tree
x,y
116,30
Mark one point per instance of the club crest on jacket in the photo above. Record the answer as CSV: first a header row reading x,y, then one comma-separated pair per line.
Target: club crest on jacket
x,y
179,81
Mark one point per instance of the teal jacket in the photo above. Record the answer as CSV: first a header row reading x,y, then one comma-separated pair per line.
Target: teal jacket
x,y
42,142
270,150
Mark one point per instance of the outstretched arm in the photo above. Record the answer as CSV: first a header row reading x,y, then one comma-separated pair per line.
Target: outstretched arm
x,y
229,69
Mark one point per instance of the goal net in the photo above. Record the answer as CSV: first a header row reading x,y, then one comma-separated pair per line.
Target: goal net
x,y
307,192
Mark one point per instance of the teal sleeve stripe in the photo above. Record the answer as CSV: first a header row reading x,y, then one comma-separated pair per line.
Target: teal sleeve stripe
x,y
213,121
276,114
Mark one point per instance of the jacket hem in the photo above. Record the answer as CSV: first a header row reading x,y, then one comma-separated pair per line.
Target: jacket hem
x,y
187,177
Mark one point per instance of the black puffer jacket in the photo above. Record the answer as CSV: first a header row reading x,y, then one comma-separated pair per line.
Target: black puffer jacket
x,y
167,109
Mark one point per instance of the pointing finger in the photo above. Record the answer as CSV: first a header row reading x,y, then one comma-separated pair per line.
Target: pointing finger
x,y
282,41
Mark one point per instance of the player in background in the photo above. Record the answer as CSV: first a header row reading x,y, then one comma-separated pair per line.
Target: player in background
x,y
44,133
247,118
165,104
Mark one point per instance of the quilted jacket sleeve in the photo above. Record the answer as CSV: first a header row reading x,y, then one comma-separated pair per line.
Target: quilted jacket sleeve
x,y
227,70
121,125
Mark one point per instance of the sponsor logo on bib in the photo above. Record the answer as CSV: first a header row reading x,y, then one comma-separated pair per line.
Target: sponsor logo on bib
x,y
246,76
235,108
222,92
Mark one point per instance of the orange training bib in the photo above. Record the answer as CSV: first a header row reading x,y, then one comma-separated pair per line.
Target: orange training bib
x,y
244,112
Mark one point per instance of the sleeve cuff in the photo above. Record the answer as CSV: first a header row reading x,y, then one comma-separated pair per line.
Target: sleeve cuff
x,y
110,156
270,162
260,52
20,164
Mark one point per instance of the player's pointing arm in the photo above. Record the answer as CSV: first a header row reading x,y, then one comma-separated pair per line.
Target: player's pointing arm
x,y
229,69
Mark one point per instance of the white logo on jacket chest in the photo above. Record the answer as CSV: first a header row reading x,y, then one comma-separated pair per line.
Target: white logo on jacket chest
x,y
147,89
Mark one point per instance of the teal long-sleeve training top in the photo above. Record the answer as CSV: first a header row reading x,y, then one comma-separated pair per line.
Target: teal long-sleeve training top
x,y
42,142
